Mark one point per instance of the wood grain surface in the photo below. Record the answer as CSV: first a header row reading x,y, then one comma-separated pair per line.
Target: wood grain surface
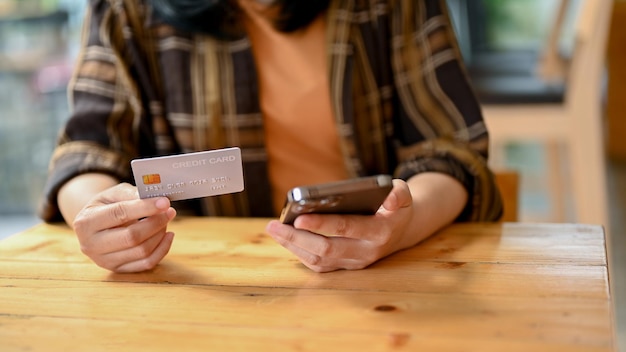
x,y
227,286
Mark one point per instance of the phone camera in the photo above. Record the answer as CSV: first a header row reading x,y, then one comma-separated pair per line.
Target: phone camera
x,y
311,205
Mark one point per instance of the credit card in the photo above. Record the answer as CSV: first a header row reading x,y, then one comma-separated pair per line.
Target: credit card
x,y
189,175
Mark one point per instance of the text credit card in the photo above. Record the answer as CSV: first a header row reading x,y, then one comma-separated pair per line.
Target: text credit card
x,y
189,175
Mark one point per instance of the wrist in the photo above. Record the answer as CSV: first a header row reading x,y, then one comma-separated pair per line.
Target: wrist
x,y
78,191
438,199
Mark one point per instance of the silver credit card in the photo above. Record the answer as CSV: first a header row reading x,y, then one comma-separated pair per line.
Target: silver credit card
x,y
190,175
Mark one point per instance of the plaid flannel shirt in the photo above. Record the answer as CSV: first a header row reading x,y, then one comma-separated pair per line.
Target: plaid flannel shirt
x,y
401,99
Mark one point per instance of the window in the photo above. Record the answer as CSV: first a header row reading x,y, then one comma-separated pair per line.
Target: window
x,y
502,42
490,27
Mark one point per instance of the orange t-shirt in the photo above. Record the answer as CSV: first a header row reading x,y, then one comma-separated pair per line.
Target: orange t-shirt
x,y
300,131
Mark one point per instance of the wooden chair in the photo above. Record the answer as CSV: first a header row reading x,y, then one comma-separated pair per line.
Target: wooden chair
x,y
508,183
575,123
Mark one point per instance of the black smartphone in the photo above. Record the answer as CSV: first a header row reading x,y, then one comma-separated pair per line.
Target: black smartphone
x,y
363,195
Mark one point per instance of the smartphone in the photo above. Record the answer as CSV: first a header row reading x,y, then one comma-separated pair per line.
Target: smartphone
x,y
363,195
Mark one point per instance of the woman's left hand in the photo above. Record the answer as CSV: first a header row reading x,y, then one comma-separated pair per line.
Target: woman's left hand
x,y
332,242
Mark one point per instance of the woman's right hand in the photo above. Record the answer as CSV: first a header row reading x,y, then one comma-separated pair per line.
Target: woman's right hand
x,y
116,229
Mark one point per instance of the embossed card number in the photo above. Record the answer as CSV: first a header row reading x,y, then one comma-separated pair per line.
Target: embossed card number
x,y
189,175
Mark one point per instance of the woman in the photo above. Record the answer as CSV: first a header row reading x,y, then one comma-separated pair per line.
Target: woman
x,y
311,91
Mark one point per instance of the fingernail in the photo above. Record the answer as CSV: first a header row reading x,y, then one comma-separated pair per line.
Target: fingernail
x,y
162,203
270,226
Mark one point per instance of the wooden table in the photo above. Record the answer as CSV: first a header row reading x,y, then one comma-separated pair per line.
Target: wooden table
x,y
227,286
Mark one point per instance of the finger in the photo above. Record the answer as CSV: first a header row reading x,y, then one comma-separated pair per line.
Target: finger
x,y
399,197
320,264
114,260
150,261
313,249
359,227
133,235
324,264
119,192
97,218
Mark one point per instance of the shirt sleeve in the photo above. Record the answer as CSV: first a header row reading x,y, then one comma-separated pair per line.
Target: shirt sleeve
x,y
440,123
108,125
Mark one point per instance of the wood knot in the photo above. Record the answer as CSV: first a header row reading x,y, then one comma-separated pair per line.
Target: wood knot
x,y
385,308
452,265
399,339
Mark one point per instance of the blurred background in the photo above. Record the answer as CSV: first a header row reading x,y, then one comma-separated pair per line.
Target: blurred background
x,y
38,42
502,42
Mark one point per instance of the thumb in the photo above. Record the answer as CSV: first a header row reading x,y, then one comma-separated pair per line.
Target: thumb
x,y
399,197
